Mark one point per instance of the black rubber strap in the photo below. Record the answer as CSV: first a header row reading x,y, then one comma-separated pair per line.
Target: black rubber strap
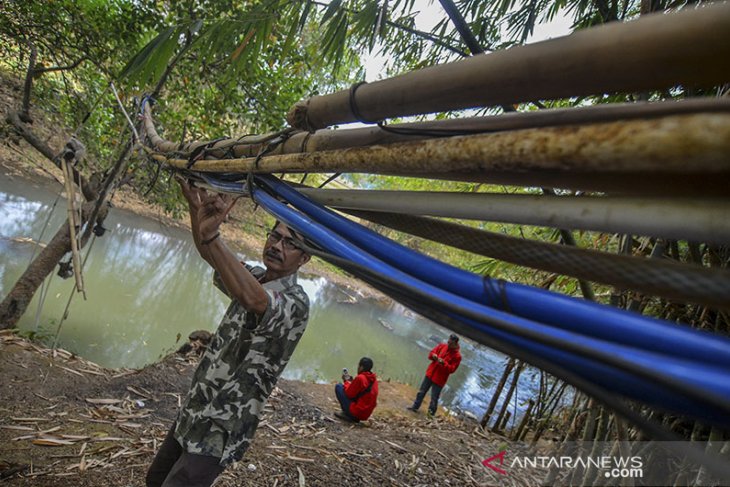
x,y
363,392
353,104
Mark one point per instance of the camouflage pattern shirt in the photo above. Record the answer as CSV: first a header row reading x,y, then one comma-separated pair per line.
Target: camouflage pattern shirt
x,y
239,370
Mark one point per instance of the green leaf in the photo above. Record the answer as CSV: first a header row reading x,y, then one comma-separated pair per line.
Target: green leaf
x,y
305,15
332,9
132,70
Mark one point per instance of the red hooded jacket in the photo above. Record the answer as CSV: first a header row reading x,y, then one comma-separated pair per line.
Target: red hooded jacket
x,y
439,373
363,407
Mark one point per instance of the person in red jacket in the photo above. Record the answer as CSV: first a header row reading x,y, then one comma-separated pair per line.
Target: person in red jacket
x,y
445,359
359,396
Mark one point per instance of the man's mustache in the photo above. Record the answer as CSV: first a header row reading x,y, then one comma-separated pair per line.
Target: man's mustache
x,y
274,254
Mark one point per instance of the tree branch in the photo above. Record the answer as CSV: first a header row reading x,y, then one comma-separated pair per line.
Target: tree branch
x,y
13,118
27,88
106,186
59,68
426,35
461,26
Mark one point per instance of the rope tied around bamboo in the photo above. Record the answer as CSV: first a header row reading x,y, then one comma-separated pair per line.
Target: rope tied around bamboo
x,y
327,139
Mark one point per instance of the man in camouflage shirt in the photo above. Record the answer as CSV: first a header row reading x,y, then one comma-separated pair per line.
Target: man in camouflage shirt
x,y
262,326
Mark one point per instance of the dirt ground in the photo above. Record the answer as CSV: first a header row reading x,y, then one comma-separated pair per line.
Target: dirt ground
x,y
68,422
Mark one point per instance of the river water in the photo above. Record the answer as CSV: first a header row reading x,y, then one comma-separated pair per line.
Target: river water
x,y
146,286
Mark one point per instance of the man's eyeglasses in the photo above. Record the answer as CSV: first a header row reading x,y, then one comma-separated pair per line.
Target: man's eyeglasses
x,y
287,242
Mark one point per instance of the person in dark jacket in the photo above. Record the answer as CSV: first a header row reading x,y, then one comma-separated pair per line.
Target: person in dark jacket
x,y
359,396
445,359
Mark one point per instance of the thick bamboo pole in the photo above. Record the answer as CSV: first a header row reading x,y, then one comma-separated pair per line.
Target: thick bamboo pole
x,y
654,52
328,139
654,277
699,220
682,154
498,423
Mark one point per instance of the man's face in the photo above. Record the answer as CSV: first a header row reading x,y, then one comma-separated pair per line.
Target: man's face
x,y
280,255
452,343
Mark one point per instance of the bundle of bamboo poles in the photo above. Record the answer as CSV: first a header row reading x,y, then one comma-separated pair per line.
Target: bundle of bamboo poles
x,y
678,154
663,166
676,148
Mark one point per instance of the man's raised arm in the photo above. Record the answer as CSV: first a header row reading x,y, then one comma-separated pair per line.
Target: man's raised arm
x,y
207,212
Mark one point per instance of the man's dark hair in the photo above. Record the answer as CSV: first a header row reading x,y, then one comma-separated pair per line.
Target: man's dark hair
x,y
366,364
454,338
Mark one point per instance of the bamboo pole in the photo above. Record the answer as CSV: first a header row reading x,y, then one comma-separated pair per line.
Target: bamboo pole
x,y
713,447
700,220
72,222
544,417
328,139
567,238
655,277
654,52
508,398
678,155
503,424
589,430
497,392
461,26
518,434
591,471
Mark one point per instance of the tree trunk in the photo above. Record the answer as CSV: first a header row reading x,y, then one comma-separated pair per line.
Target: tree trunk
x,y
16,302
510,392
497,392
522,428
93,211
